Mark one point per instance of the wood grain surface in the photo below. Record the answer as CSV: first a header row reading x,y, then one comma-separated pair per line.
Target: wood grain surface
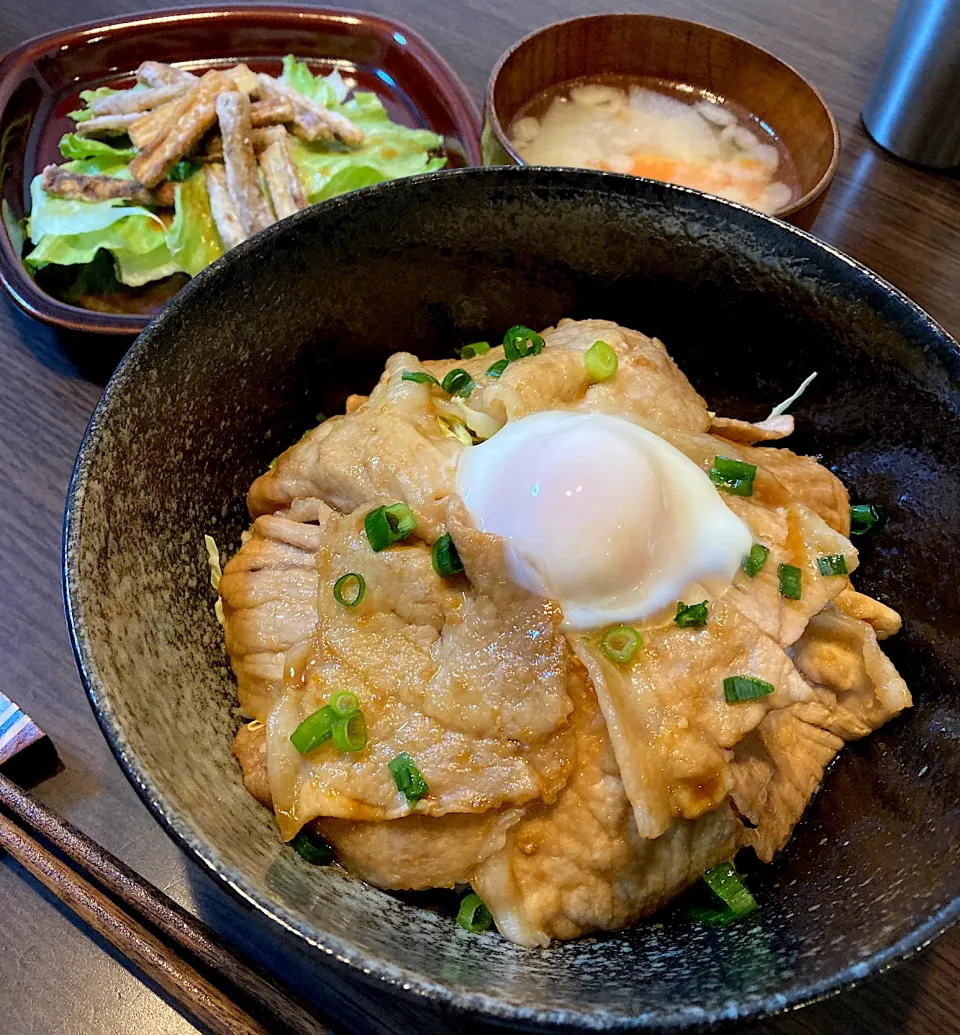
x,y
56,976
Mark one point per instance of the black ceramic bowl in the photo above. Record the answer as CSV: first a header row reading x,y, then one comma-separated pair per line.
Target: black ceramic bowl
x,y
293,321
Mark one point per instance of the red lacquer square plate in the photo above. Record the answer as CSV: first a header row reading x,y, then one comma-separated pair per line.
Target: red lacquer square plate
x,y
40,81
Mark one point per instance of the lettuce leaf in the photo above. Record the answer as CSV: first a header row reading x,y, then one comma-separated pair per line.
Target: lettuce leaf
x,y
68,232
388,151
193,238
73,146
328,90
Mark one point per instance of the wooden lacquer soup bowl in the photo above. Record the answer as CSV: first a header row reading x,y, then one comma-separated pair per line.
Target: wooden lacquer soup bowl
x,y
647,46
295,320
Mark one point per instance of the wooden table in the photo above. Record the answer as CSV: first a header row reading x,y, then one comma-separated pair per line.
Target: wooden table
x,y
55,977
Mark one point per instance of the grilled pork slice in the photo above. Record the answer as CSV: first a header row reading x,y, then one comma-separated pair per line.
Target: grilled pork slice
x,y
243,181
779,766
269,591
579,865
648,387
392,447
472,688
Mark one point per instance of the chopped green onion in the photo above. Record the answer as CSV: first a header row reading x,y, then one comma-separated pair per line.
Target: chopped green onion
x,y
346,582
388,524
421,377
446,561
344,703
863,518
182,171
620,643
314,730
273,463
520,342
477,348
754,560
734,476
832,564
407,778
350,732
458,382
728,886
690,615
745,688
312,847
791,581
496,369
601,361
473,915
320,417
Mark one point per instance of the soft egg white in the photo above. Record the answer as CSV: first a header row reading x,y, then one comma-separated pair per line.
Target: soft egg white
x,y
601,515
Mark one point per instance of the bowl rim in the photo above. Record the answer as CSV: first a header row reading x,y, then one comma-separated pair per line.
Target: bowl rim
x,y
819,188
378,971
19,59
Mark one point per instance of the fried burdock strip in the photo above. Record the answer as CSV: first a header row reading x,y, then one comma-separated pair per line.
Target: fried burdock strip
x,y
246,81
221,206
128,102
273,110
195,114
311,121
283,182
264,116
158,73
60,183
243,181
106,126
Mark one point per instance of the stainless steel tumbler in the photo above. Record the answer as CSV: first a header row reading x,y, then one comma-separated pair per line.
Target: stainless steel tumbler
x,y
914,107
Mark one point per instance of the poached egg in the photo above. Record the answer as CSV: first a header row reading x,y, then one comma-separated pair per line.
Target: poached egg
x,y
601,515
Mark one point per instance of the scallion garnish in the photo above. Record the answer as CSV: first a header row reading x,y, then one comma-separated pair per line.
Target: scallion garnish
x,y
727,886
314,730
446,561
864,517
312,847
407,778
496,369
754,560
320,417
745,688
690,615
791,581
182,171
476,348
733,476
832,564
388,524
620,643
350,732
421,377
349,589
344,703
520,342
458,382
601,361
473,915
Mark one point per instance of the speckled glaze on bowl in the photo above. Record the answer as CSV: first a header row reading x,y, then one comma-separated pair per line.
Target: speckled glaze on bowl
x,y
237,365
